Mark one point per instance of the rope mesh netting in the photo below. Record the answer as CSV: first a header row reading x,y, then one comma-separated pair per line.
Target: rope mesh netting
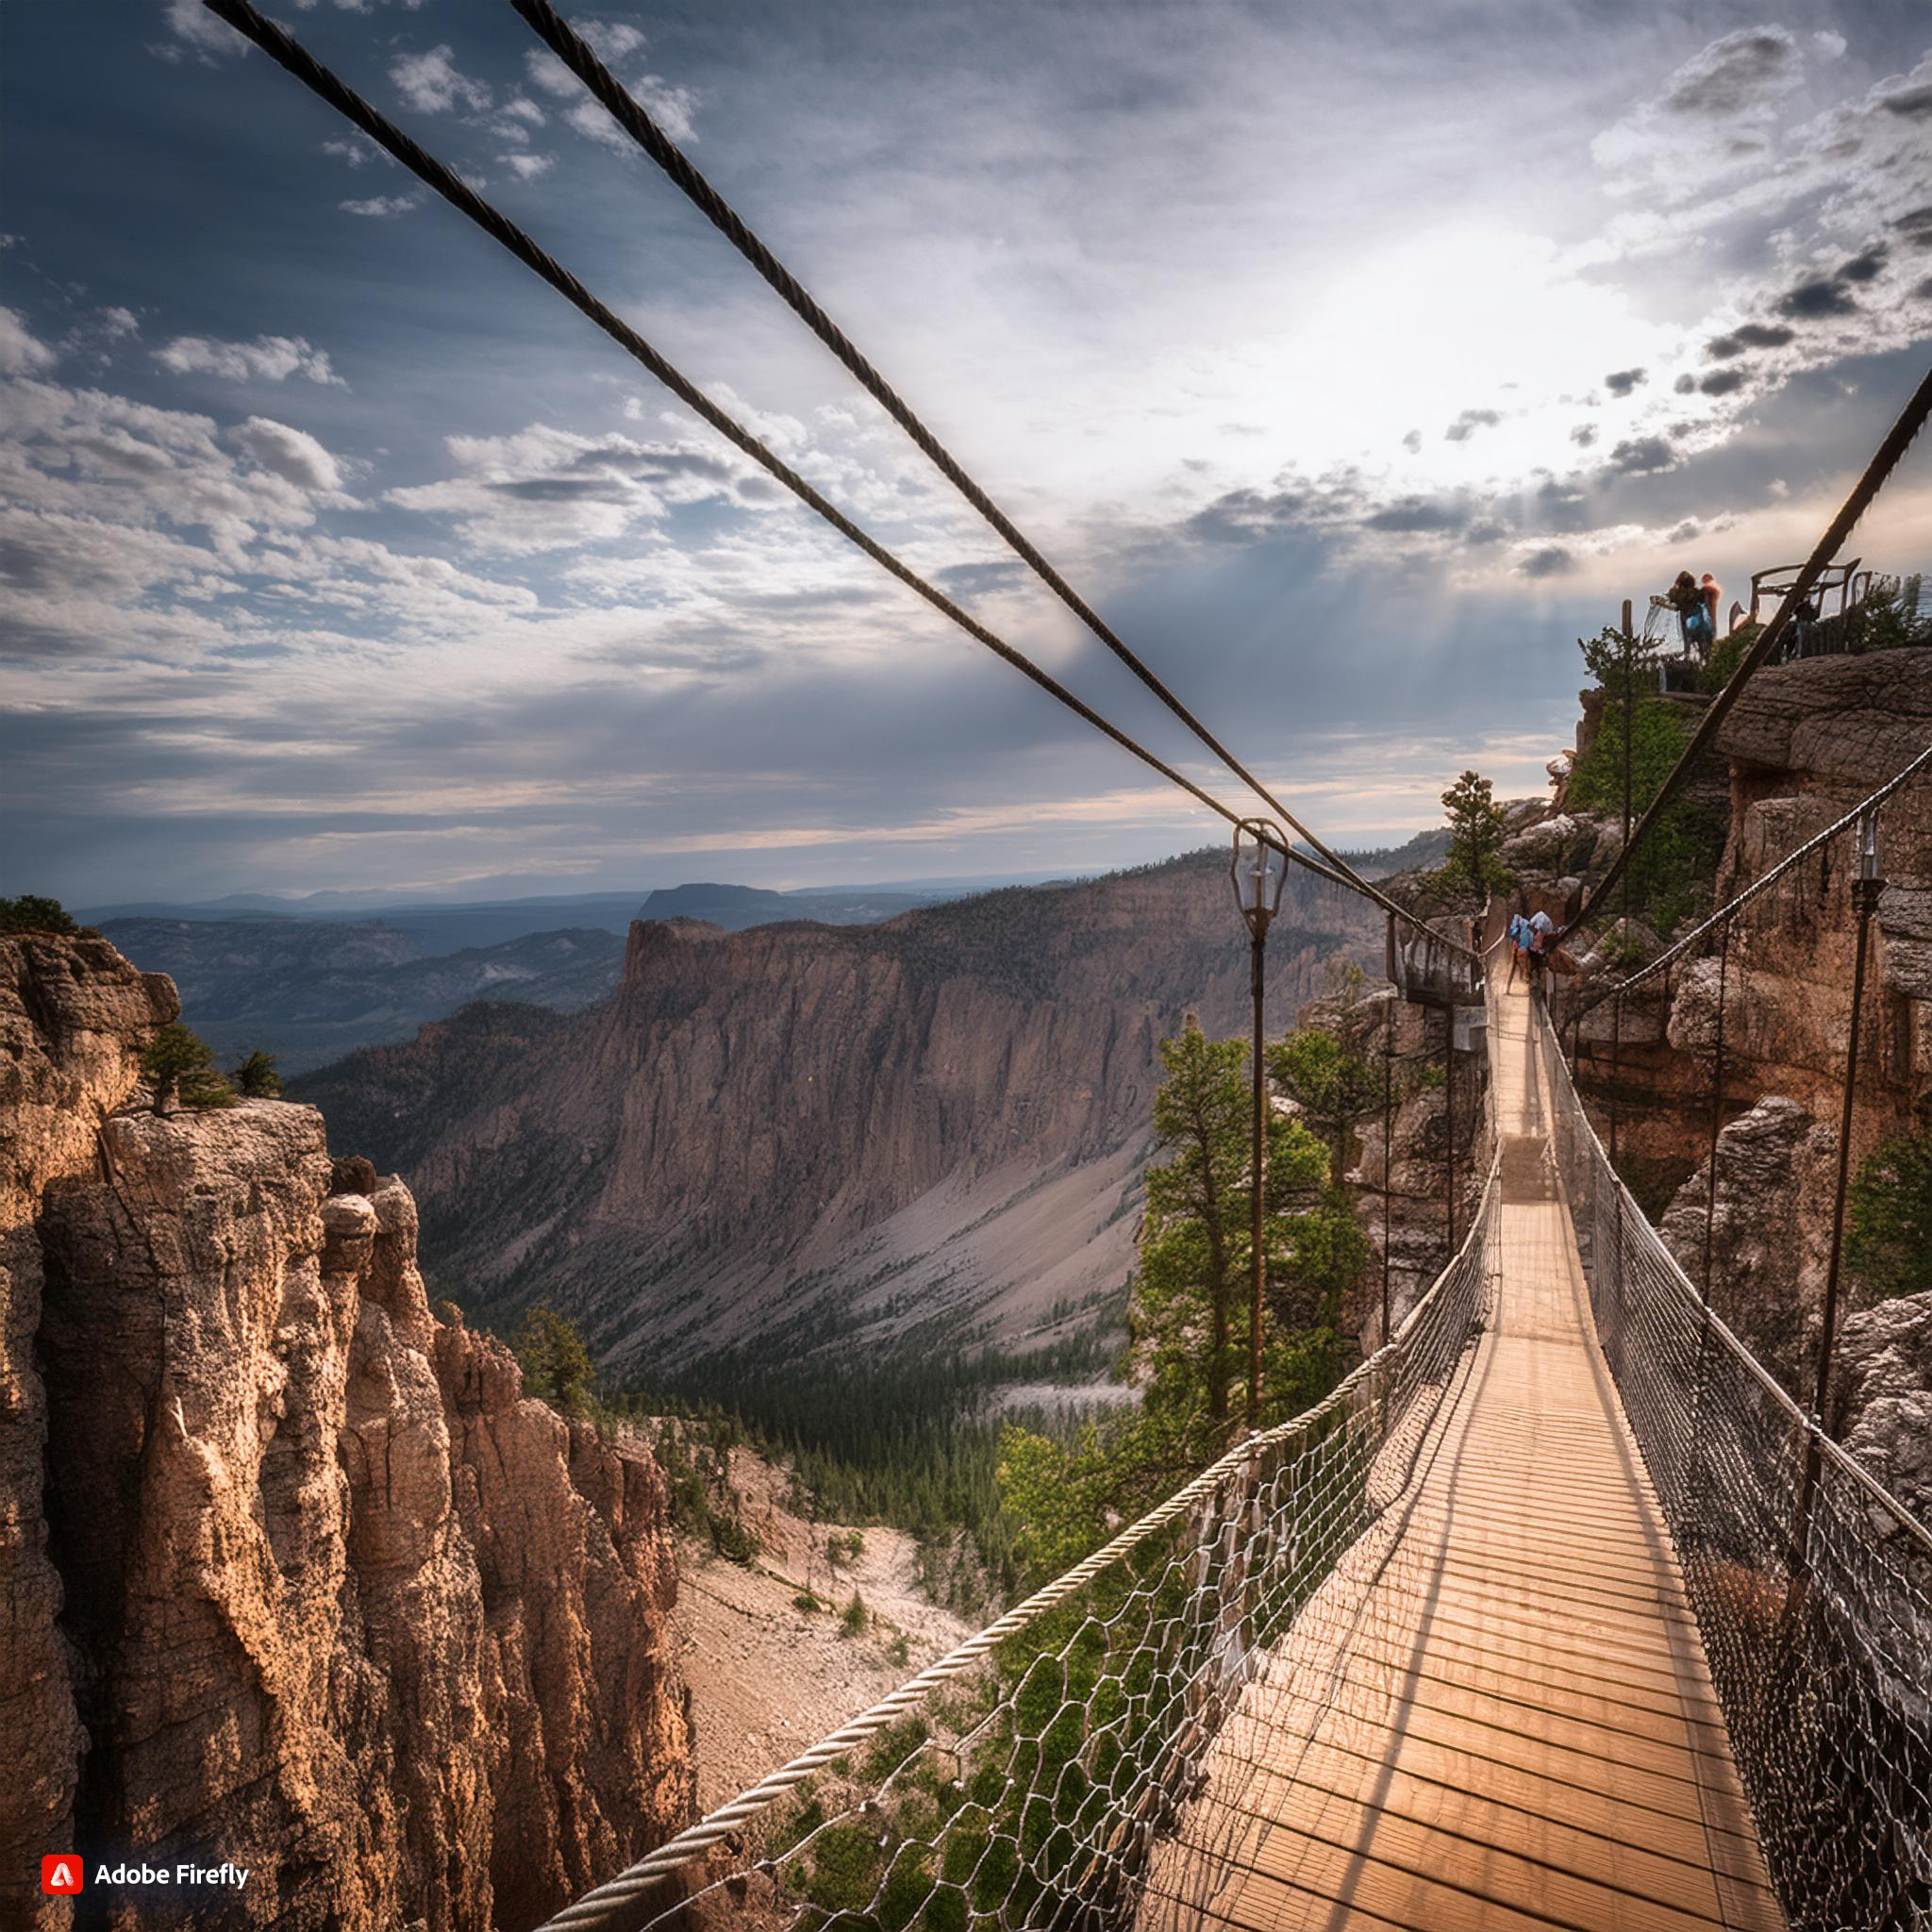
x,y
1051,1773
1810,1585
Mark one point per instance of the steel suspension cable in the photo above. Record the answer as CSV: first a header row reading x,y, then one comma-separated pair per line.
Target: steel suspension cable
x,y
287,53
571,48
1884,459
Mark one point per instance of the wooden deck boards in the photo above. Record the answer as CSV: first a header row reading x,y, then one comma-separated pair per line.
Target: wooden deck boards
x,y
1505,1723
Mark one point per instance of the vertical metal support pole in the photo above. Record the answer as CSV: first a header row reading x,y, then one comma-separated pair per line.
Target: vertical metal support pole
x,y
1700,1374
1629,706
1717,1107
1616,1177
1257,948
1866,887
1388,1146
1827,1339
1257,889
1615,1071
1449,1095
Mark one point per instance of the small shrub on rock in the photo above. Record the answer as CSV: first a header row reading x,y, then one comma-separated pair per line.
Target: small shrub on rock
x,y
182,1068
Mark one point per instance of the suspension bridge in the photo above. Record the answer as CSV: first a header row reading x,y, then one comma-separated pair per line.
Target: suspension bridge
x,y
1559,1612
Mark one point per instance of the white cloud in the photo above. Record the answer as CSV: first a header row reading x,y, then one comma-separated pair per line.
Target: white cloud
x,y
671,105
549,75
153,533
382,207
528,167
611,40
1712,118
549,489
291,454
22,353
433,84
201,30
267,358
357,149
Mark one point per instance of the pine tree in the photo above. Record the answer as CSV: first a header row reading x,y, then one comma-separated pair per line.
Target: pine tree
x,y
1333,1086
177,1065
31,914
555,1364
255,1078
1190,1314
1471,866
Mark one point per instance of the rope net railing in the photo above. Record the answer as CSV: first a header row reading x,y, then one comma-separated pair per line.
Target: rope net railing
x,y
1040,1776
1810,1583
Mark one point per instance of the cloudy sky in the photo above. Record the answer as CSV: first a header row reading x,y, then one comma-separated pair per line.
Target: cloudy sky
x,y
1352,364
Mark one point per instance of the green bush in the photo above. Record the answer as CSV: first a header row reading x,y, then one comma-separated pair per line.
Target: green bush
x,y
555,1364
179,1067
30,913
1888,1210
1672,870
256,1077
1884,621
1726,656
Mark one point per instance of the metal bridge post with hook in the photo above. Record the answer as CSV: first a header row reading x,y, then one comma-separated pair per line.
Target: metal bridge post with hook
x,y
1258,869
1866,887
1387,1140
1449,1097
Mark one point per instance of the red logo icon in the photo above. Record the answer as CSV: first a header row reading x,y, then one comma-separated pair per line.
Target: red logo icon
x,y
60,1872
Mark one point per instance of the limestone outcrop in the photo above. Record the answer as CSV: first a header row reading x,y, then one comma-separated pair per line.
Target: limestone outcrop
x,y
1885,1365
1770,1228
331,1598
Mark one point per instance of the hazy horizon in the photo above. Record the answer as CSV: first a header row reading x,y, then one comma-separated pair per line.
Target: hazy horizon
x,y
377,896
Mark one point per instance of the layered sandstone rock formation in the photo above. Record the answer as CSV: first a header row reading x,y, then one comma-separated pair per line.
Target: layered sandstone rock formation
x,y
792,1133
327,1596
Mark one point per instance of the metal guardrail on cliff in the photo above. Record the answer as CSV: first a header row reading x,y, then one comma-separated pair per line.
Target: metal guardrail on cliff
x,y
1810,1595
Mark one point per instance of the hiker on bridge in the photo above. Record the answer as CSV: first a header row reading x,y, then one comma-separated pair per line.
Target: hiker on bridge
x,y
1543,936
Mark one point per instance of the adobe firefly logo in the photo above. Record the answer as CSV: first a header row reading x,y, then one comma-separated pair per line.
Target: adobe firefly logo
x,y
60,1872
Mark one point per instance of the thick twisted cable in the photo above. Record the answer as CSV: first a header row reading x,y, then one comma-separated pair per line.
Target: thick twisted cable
x,y
289,53
1884,459
1732,907
616,1895
571,48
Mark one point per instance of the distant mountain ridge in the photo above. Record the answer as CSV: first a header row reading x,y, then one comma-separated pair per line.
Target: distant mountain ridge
x,y
309,992
735,908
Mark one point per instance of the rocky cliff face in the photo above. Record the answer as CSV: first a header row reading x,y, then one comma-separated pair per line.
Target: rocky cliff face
x,y
778,1135
69,1011
306,1583
1805,743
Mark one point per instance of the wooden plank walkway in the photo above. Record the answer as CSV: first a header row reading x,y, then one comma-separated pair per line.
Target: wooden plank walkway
x,y
1498,1716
